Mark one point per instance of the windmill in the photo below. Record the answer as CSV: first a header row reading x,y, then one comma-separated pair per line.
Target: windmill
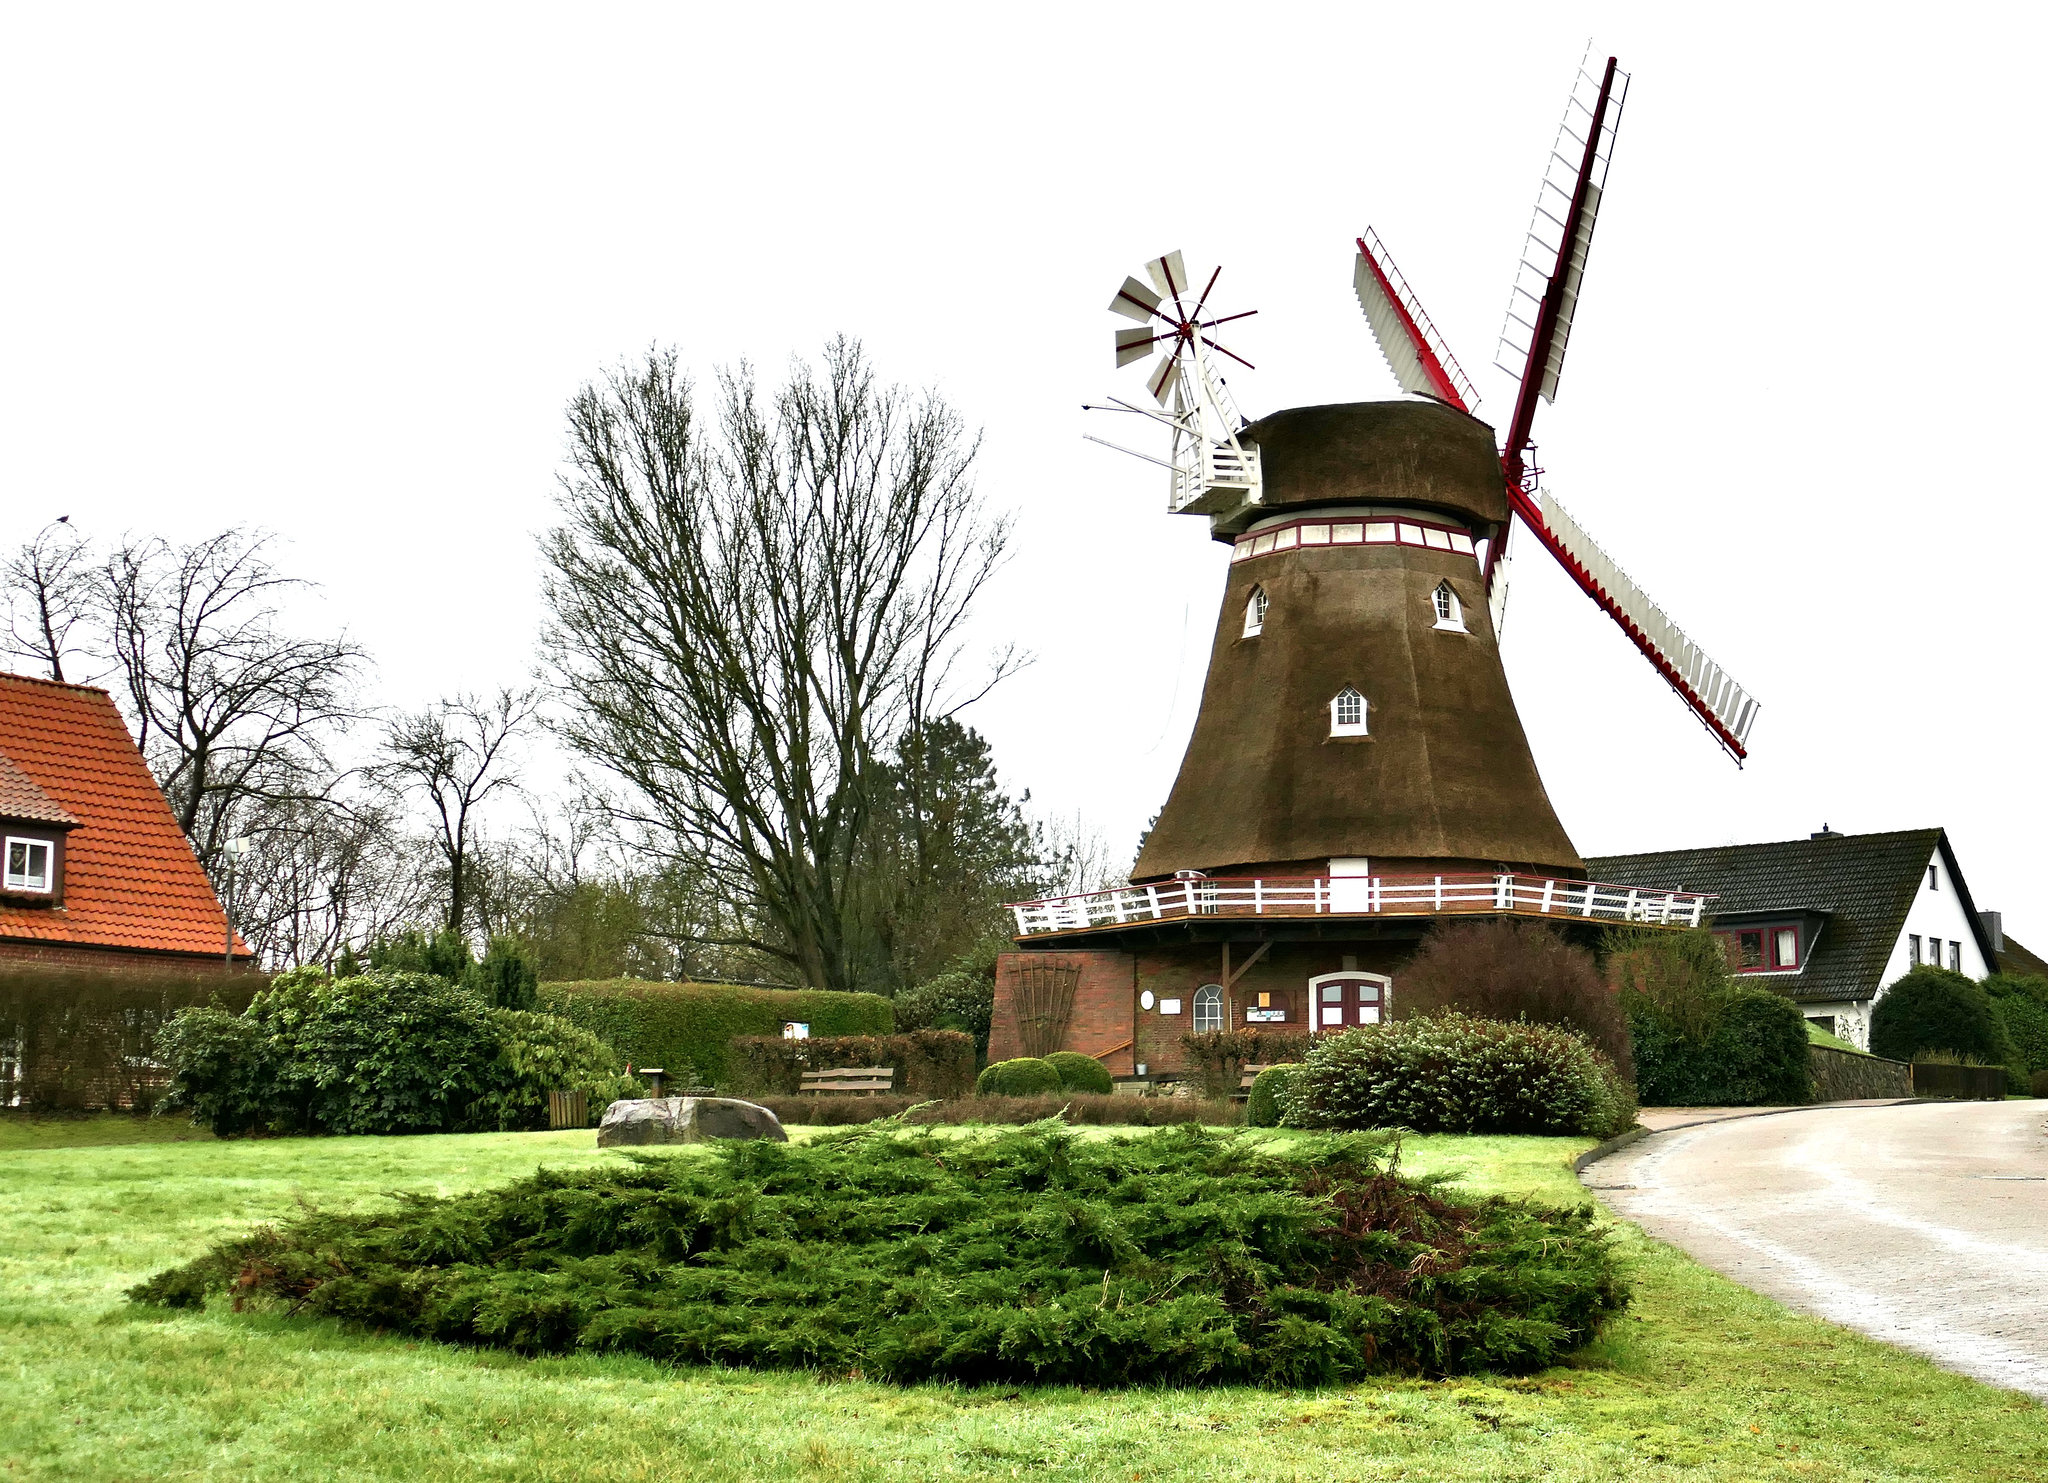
x,y
1368,569
1537,330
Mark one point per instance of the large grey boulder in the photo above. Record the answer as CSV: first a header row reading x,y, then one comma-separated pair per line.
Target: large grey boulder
x,y
686,1120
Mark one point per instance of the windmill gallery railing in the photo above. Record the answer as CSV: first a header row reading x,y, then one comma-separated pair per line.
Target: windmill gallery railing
x,y
1363,895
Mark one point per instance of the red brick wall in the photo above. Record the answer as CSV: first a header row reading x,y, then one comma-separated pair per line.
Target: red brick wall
x,y
68,955
1103,1003
1284,972
1106,1004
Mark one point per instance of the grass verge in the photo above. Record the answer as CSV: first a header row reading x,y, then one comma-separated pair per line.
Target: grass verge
x,y
1701,1381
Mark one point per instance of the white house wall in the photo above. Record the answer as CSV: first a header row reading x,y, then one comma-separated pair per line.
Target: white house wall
x,y
1937,911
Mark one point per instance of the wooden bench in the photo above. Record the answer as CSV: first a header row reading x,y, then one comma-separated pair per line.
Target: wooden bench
x,y
849,1081
1244,1083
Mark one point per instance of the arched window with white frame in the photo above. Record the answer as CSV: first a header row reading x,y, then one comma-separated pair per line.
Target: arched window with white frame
x,y
1255,612
1208,1008
1349,713
1450,612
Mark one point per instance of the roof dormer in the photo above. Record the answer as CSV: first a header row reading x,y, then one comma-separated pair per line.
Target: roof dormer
x,y
32,831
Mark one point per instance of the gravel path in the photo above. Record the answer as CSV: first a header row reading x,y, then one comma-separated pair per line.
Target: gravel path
x,y
1923,1225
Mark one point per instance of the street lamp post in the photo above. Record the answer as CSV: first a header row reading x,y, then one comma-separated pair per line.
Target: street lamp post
x,y
236,848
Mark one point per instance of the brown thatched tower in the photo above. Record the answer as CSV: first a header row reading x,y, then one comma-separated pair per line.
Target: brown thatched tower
x,y
1356,708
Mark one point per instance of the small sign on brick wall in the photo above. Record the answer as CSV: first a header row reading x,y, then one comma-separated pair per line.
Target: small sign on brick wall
x,y
1265,1016
1169,1006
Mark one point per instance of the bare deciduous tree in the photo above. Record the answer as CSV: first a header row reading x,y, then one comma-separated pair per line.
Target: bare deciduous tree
x,y
231,711
323,874
747,616
456,754
50,593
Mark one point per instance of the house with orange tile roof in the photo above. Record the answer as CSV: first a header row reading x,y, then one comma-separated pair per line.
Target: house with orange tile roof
x,y
97,873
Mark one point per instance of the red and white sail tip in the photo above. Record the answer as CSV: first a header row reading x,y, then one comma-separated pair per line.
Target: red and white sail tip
x,y
1725,707
1545,295
1416,353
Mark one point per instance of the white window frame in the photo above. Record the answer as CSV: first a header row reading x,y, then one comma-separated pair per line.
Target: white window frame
x,y
1255,612
22,882
1209,1013
1339,726
1449,609
1779,957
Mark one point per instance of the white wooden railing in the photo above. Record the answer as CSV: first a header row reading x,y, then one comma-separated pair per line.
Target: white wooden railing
x,y
1363,895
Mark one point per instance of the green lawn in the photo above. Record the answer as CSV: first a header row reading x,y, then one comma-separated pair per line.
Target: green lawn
x,y
1702,1381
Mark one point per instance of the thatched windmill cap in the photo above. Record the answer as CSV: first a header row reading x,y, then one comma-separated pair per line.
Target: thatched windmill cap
x,y
1419,453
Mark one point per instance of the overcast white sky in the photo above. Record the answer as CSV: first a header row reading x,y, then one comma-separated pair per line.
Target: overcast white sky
x,y
336,272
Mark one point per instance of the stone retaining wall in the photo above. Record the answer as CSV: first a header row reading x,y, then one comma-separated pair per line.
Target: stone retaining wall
x,y
1845,1076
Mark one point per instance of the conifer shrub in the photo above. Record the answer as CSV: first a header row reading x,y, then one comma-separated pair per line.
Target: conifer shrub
x,y
1452,1073
1189,1258
1932,1008
1268,1100
928,1063
1079,1073
1026,1076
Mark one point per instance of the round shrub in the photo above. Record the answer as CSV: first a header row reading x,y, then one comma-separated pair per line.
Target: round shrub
x,y
1027,1076
1079,1073
2038,1084
1454,1074
1268,1099
1937,1009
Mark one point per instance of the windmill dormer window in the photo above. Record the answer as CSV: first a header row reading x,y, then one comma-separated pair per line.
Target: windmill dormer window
x,y
1255,612
1348,713
1450,613
28,865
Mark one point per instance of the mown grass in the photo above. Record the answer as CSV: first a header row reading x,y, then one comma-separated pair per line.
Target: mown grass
x,y
1701,1381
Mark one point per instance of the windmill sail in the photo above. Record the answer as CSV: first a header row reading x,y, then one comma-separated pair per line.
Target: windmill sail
x,y
1417,354
1723,705
1546,292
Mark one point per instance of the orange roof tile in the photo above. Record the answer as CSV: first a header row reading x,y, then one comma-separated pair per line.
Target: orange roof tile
x,y
22,800
130,879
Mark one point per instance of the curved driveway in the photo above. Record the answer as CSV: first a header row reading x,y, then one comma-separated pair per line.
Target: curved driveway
x,y
1924,1225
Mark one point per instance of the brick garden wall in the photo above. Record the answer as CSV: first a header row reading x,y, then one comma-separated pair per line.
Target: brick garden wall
x,y
63,955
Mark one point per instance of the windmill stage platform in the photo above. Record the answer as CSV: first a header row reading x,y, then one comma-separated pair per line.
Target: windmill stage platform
x,y
1344,904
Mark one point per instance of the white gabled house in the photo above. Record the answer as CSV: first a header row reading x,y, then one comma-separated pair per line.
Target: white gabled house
x,y
1832,919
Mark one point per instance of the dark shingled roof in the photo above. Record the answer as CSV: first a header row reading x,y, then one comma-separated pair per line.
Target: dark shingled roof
x,y
1865,883
2012,958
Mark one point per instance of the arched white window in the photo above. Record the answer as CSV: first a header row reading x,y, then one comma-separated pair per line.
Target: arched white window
x,y
1208,1008
1255,612
1450,613
1348,712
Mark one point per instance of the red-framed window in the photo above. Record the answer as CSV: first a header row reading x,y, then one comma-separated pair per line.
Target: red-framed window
x,y
1777,947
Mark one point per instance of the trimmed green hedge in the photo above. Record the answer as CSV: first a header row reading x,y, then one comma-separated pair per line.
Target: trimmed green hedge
x,y
678,1026
1753,1052
929,1063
